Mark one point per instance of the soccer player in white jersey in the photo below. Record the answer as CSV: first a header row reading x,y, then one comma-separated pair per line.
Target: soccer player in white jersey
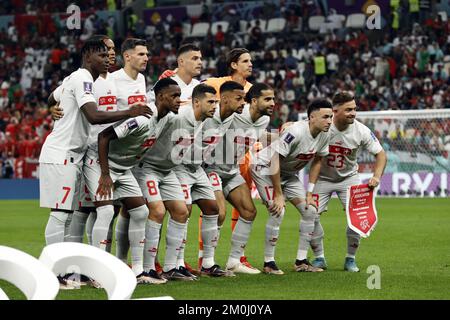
x,y
194,181
130,140
163,190
246,129
339,171
274,173
105,94
63,151
189,60
131,88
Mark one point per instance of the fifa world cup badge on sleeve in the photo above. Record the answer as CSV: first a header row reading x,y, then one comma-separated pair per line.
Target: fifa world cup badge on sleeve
x,y
87,87
360,209
288,138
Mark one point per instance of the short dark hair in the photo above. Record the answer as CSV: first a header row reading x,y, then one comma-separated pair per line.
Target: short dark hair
x,y
186,48
132,43
200,90
230,86
233,56
317,104
162,84
93,44
256,91
102,37
342,97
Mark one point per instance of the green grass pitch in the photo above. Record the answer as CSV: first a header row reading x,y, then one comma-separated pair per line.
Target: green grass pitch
x,y
410,245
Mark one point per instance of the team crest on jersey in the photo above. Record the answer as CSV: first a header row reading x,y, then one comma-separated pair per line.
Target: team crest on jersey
x,y
131,124
288,138
87,87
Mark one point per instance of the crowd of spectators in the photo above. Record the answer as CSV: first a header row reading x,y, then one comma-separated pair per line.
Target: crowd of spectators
x,y
393,68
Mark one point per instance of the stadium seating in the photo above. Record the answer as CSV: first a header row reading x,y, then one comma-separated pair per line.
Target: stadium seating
x,y
443,15
114,276
356,21
262,24
187,27
28,274
315,22
276,25
215,25
194,11
199,29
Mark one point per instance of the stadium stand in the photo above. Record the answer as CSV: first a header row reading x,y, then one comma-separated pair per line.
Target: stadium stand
x,y
406,66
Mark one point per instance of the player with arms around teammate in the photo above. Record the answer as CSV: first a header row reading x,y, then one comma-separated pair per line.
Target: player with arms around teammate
x,y
339,171
247,128
196,185
163,190
120,148
275,175
189,60
240,67
63,151
105,93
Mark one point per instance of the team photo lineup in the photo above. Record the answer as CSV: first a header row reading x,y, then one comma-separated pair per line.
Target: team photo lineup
x,y
133,161
129,165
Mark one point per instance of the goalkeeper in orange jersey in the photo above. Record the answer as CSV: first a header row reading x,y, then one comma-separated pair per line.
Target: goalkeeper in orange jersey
x,y
240,68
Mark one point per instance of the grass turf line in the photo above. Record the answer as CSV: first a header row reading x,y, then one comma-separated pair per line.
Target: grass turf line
x,y
409,244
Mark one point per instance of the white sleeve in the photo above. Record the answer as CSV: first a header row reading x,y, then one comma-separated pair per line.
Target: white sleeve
x,y
369,141
129,126
57,93
83,87
286,141
151,96
324,148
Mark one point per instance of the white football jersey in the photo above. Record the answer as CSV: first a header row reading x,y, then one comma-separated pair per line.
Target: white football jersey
x,y
106,95
341,161
68,139
241,136
212,133
297,146
186,90
129,91
175,142
104,91
135,137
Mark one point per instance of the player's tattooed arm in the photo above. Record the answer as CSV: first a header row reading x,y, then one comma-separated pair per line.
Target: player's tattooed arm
x,y
380,165
313,176
105,182
100,117
276,208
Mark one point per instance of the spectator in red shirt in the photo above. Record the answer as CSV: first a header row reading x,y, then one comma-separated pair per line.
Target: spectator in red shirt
x,y
220,35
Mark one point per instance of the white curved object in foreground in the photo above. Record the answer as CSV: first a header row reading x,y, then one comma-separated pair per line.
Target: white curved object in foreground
x,y
28,274
114,276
